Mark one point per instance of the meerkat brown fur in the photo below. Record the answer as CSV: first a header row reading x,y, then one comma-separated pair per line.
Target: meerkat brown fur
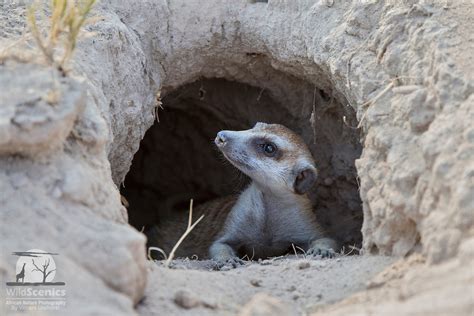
x,y
273,213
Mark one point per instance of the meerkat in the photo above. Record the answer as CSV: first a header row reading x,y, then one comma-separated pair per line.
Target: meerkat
x,y
271,216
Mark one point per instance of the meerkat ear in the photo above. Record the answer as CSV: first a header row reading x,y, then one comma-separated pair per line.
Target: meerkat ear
x,y
305,179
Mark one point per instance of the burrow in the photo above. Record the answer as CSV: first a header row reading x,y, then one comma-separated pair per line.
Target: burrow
x,y
177,160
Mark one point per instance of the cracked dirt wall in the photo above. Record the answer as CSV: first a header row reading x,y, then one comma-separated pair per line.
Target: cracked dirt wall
x,y
391,62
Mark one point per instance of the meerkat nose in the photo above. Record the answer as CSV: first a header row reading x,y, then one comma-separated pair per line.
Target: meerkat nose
x,y
221,139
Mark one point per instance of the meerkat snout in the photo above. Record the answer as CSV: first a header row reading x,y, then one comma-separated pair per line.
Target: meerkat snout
x,y
271,155
221,139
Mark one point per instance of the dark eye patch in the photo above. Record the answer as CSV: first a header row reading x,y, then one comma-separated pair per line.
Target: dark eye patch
x,y
267,148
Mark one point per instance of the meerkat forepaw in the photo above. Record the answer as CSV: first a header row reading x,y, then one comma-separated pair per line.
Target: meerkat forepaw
x,y
228,263
323,247
323,252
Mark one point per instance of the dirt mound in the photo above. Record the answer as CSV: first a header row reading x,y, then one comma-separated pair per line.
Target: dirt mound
x,y
388,80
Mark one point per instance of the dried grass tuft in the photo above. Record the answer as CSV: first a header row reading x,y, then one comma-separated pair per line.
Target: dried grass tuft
x,y
190,227
62,31
186,233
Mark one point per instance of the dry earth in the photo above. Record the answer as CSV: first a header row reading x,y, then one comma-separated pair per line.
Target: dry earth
x,y
396,76
300,286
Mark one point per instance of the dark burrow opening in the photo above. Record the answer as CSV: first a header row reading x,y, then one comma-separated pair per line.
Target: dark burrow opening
x,y
177,159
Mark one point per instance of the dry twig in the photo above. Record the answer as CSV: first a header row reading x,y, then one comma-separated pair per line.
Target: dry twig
x,y
186,233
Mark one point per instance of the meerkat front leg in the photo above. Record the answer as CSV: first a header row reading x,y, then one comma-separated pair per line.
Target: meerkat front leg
x,y
221,251
323,246
224,254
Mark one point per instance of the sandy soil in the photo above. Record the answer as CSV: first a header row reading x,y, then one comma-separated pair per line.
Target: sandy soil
x,y
416,170
302,285
458,15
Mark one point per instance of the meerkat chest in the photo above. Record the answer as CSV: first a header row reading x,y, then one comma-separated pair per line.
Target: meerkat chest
x,y
262,240
263,226
267,234
286,225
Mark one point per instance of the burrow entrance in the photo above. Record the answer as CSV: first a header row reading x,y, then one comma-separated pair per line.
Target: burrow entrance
x,y
177,159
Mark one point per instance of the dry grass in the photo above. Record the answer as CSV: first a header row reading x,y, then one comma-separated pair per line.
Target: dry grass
x,y
351,251
186,233
392,83
150,249
189,228
158,105
60,30
373,100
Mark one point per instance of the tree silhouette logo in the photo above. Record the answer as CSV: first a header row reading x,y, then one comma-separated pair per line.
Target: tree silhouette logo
x,y
35,267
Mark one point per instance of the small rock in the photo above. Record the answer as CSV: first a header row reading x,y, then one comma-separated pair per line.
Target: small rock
x,y
303,265
256,283
374,284
319,296
295,297
186,300
262,304
329,3
291,288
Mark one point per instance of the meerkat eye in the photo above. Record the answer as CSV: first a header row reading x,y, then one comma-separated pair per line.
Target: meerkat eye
x,y
269,149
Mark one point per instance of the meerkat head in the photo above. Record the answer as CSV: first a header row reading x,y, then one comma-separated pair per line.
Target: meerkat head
x,y
271,155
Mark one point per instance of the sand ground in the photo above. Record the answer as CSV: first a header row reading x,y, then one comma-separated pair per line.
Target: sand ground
x,y
303,285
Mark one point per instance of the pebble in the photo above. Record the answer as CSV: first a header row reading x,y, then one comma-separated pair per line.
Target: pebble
x,y
303,265
263,304
186,300
256,283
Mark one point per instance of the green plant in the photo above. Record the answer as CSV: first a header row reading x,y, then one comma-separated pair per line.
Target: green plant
x,y
67,18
